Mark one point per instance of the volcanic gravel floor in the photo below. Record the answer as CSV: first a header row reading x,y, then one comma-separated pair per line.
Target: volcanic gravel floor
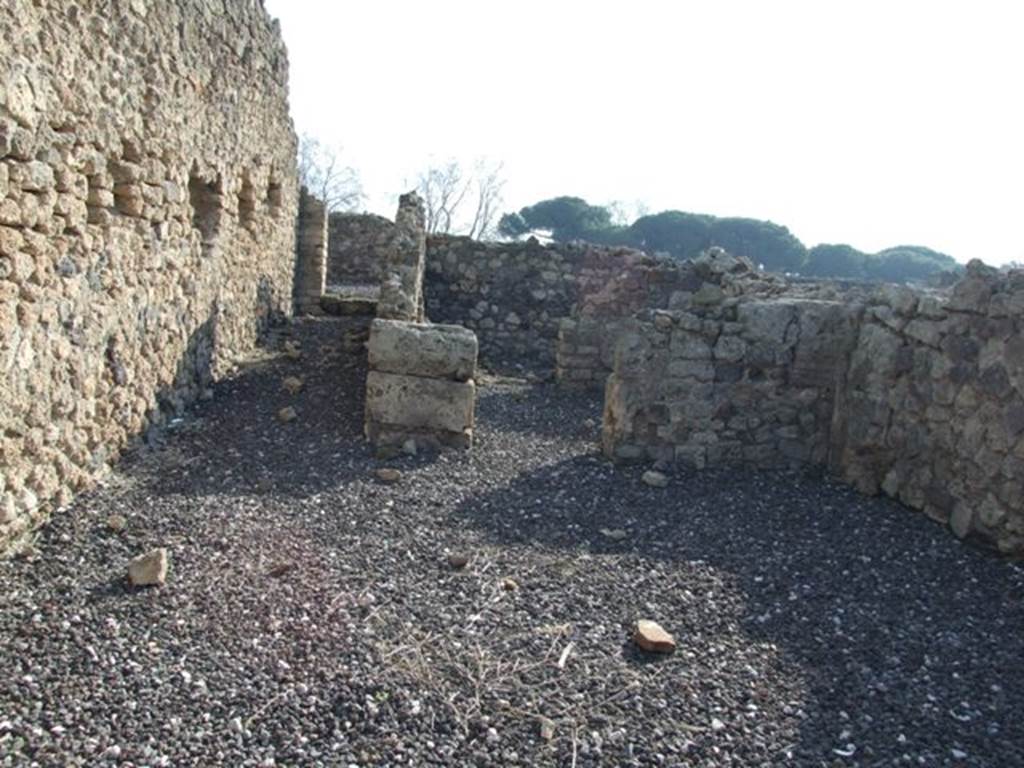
x,y
312,618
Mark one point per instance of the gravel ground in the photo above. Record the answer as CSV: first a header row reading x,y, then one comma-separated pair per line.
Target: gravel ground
x,y
312,617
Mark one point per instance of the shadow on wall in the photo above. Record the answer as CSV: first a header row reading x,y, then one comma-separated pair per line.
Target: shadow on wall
x,y
891,624
248,450
195,373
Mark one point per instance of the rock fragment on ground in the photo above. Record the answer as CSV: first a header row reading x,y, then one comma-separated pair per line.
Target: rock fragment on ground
x,y
655,479
458,560
292,385
651,637
117,523
149,569
286,415
388,475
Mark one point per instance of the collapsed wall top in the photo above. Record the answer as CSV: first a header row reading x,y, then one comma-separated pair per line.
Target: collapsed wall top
x,y
401,294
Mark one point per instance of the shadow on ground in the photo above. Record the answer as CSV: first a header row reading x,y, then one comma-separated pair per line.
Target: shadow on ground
x,y
312,616
909,643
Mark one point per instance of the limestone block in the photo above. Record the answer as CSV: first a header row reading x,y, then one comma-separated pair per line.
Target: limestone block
x,y
419,403
433,351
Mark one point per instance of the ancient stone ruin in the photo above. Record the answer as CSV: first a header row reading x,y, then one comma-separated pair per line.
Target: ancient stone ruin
x,y
687,519
419,389
147,226
141,257
914,394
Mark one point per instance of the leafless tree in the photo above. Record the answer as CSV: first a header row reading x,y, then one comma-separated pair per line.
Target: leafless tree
x,y
322,172
623,214
461,202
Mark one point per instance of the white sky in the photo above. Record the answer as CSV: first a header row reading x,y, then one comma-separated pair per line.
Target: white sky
x,y
871,123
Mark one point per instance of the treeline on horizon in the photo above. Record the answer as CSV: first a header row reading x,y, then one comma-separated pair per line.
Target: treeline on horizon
x,y
685,235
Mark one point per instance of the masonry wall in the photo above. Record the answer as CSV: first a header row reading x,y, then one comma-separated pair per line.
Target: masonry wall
x,y
514,295
746,381
932,409
358,247
916,395
310,253
147,212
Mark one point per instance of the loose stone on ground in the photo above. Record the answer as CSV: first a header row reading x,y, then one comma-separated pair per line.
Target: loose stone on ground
x,y
650,636
149,569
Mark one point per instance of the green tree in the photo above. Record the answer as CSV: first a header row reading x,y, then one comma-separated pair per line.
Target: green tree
x,y
763,242
567,218
839,260
683,235
905,263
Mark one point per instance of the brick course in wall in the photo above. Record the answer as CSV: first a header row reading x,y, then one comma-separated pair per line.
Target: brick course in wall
x,y
147,224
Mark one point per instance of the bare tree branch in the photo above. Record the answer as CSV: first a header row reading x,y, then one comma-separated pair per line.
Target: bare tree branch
x,y
321,172
458,202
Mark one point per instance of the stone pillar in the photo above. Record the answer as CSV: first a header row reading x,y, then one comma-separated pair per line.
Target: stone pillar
x,y
401,292
311,254
420,385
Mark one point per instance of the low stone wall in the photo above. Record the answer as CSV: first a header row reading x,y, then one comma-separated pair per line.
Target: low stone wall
x,y
932,411
585,350
359,244
514,295
147,224
745,381
919,396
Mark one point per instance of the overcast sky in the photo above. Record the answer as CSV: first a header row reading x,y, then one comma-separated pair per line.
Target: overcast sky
x,y
870,123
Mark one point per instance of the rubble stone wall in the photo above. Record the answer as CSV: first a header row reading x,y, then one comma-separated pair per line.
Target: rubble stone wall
x,y
917,395
147,223
310,254
746,381
401,288
515,295
932,410
359,244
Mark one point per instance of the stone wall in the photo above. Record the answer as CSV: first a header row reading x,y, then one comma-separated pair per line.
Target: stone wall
x,y
147,212
585,347
359,244
932,411
514,295
919,396
401,288
310,254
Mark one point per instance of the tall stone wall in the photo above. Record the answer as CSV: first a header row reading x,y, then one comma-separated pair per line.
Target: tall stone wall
x,y
147,212
358,248
919,396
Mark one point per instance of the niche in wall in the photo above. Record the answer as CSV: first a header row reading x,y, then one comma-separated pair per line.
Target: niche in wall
x,y
207,206
247,203
274,197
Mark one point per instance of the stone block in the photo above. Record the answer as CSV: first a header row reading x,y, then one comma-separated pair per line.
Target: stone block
x,y
418,403
433,351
